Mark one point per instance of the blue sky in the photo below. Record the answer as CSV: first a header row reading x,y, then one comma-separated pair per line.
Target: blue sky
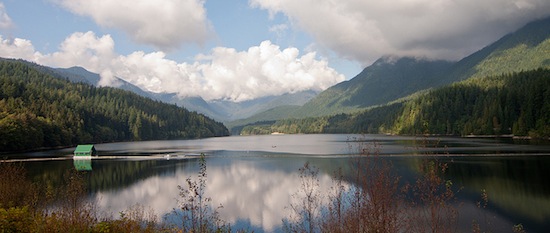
x,y
245,49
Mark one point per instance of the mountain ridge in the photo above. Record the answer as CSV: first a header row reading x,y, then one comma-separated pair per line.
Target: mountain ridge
x,y
222,111
527,48
41,109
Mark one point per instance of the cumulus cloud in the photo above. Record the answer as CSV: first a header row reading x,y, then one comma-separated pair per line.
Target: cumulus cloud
x,y
18,48
5,20
365,30
83,49
265,70
165,24
225,73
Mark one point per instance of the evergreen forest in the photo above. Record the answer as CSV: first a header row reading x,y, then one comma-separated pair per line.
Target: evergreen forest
x,y
38,110
515,104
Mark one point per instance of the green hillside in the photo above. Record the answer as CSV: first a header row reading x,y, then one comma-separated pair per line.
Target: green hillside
x,y
525,49
386,80
517,104
38,110
398,79
513,104
270,115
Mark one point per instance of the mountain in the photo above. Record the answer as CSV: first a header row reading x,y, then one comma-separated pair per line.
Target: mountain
x,y
196,104
388,79
79,74
392,79
41,109
226,111
219,110
516,104
249,108
528,48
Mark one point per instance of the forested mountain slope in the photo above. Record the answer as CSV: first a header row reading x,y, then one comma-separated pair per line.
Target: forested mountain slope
x,y
391,79
219,110
512,104
386,80
39,110
525,49
517,104
79,74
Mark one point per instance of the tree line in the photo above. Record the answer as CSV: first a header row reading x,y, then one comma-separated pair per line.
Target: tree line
x,y
38,110
510,104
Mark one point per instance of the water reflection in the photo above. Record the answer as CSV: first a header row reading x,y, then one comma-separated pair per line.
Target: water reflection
x,y
254,190
517,186
82,164
253,176
248,192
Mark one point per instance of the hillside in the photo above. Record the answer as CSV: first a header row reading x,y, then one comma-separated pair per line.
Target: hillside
x,y
223,111
79,74
388,79
41,110
227,111
512,104
528,48
517,104
393,79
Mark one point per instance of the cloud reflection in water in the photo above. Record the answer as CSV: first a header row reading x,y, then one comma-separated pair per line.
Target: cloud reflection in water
x,y
248,193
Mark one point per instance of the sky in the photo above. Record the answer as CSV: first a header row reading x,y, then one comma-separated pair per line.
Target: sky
x,y
245,49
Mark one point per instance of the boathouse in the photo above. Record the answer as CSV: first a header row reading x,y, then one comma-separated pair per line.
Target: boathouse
x,y
85,151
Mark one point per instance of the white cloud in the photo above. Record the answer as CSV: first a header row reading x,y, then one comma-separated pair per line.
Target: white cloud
x,y
260,71
18,48
265,70
365,30
108,79
165,24
279,30
5,20
83,49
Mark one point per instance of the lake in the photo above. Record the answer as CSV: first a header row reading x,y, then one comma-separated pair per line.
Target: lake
x,y
254,177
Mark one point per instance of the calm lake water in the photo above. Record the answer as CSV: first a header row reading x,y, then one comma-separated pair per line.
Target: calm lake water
x,y
254,177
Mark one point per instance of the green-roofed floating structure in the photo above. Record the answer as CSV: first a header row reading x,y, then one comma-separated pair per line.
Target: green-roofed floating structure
x,y
84,152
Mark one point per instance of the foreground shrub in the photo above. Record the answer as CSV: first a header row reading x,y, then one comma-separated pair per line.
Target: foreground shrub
x,y
433,203
195,210
16,219
305,210
15,189
366,199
